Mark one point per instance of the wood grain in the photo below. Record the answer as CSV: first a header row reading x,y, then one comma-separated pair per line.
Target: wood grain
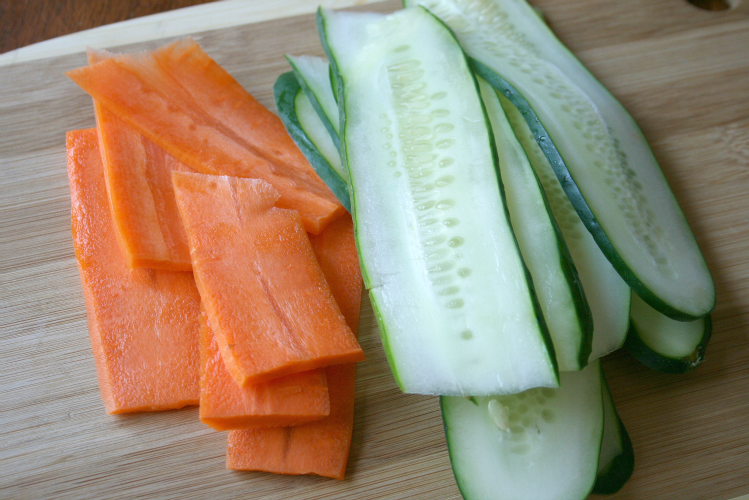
x,y
681,71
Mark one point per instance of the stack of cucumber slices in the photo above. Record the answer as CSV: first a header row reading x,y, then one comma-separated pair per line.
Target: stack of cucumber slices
x,y
513,227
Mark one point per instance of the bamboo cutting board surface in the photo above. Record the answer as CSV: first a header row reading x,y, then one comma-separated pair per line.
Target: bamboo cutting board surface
x,y
684,75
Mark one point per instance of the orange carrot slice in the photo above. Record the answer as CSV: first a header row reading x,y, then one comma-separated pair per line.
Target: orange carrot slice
x,y
335,249
320,447
139,183
182,100
270,308
143,323
290,400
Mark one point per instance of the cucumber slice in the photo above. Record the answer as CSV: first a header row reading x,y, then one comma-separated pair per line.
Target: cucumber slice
x,y
542,444
664,344
309,134
542,246
607,294
453,299
617,458
313,74
313,127
596,149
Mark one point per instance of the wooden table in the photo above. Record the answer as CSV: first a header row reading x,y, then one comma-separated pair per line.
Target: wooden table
x,y
682,72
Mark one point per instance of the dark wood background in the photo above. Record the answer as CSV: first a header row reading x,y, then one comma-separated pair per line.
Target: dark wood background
x,y
23,22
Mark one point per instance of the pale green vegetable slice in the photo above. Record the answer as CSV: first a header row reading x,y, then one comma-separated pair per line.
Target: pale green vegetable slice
x,y
542,246
665,344
313,74
310,136
541,444
452,297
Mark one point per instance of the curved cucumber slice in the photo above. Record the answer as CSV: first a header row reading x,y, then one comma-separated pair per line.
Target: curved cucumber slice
x,y
313,127
542,444
617,459
453,299
664,344
309,134
541,244
608,295
313,74
599,154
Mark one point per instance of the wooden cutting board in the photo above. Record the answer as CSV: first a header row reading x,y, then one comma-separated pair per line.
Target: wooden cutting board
x,y
684,75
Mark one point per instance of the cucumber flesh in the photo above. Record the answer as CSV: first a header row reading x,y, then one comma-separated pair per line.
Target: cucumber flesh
x,y
313,74
315,130
664,344
542,444
308,133
605,164
607,294
542,246
453,299
617,458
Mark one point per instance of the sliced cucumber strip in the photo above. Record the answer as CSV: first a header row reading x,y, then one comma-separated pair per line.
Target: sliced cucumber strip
x,y
310,136
313,74
314,129
596,149
664,344
541,244
541,444
617,458
607,294
453,299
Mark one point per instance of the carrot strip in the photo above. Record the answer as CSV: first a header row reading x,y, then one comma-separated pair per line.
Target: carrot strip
x,y
139,183
335,249
270,308
320,447
290,400
182,100
143,323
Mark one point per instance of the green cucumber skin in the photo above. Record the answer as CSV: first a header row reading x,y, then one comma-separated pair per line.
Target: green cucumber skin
x,y
612,476
284,91
581,303
645,355
338,86
616,475
382,328
316,104
333,82
574,194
